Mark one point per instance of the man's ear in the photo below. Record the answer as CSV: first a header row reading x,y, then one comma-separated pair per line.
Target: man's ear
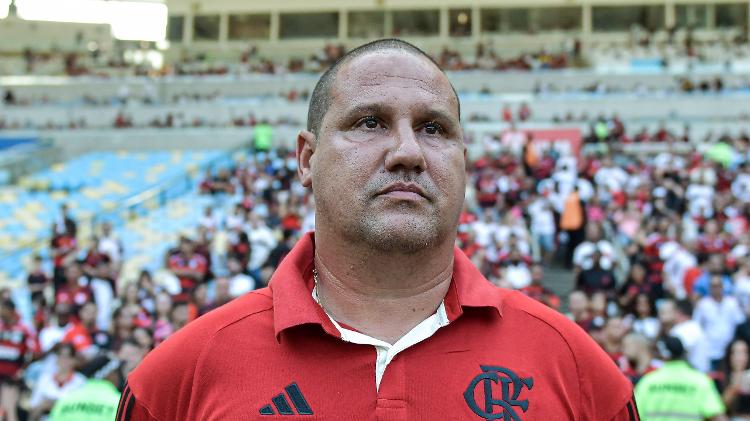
x,y
305,151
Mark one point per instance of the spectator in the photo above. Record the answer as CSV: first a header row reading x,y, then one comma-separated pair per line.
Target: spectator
x,y
572,221
676,320
37,281
736,384
578,310
98,398
100,339
147,291
239,282
19,346
162,326
613,333
642,317
53,386
262,242
208,221
637,284
76,290
65,224
543,229
189,267
596,279
636,360
583,257
713,267
677,389
123,324
110,245
718,315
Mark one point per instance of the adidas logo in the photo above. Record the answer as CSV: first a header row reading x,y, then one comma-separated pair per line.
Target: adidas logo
x,y
282,405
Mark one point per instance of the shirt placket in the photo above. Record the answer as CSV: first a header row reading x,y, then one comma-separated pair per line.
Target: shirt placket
x,y
391,403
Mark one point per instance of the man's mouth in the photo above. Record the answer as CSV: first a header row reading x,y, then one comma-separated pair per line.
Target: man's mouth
x,y
403,191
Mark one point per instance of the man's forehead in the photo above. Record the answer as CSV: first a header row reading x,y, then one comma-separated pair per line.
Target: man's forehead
x,y
389,69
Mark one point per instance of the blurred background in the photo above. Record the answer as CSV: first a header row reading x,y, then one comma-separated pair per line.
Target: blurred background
x,y
147,173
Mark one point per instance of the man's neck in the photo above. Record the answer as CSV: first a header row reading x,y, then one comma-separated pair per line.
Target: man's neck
x,y
383,295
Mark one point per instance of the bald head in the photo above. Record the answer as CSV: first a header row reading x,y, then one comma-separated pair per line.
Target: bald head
x,y
321,98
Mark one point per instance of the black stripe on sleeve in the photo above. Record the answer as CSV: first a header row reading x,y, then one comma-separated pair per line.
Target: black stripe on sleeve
x,y
633,410
126,404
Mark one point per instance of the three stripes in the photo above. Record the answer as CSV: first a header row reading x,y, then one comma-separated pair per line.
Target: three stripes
x,y
282,405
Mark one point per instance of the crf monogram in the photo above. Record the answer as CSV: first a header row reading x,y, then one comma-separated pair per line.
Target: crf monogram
x,y
511,386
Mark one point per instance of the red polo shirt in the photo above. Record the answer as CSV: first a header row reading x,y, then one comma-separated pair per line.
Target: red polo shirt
x,y
274,353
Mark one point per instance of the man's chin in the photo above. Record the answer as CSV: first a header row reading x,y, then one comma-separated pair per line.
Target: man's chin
x,y
401,234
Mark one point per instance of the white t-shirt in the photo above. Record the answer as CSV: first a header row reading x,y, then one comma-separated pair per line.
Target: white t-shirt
x,y
240,284
48,389
741,187
112,247
485,232
674,271
518,276
542,219
700,200
513,140
262,241
694,340
583,255
719,321
612,177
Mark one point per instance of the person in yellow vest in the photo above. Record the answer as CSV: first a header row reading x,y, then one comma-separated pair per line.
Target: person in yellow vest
x,y
572,222
677,391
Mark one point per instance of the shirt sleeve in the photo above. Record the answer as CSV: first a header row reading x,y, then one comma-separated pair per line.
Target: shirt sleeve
x,y
130,409
605,391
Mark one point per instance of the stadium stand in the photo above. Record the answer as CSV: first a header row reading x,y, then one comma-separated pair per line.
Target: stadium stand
x,y
609,172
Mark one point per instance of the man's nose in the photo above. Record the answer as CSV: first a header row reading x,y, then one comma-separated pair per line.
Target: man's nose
x,y
405,151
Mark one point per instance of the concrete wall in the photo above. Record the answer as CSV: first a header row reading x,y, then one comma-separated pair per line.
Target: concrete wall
x,y
72,89
73,143
545,108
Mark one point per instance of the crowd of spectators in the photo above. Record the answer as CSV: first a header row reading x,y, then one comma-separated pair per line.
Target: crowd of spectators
x,y
652,246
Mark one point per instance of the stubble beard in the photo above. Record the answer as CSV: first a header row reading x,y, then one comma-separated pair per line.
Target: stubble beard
x,y
408,233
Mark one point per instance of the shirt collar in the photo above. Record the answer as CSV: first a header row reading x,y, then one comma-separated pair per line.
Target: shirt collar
x,y
292,283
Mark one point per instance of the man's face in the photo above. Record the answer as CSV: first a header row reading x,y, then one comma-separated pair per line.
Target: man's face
x,y
667,313
716,287
389,165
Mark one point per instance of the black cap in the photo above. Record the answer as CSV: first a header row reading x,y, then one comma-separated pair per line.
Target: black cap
x,y
670,348
100,367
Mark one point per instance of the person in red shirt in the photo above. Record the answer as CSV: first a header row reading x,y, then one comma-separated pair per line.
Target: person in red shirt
x,y
76,291
189,267
385,157
17,346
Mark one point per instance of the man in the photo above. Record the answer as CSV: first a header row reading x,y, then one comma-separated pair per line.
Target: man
x,y
262,242
676,319
596,278
97,399
718,315
17,346
111,245
385,157
676,391
189,267
583,257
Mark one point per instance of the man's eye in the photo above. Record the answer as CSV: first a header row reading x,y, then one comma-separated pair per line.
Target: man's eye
x,y
433,128
368,122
